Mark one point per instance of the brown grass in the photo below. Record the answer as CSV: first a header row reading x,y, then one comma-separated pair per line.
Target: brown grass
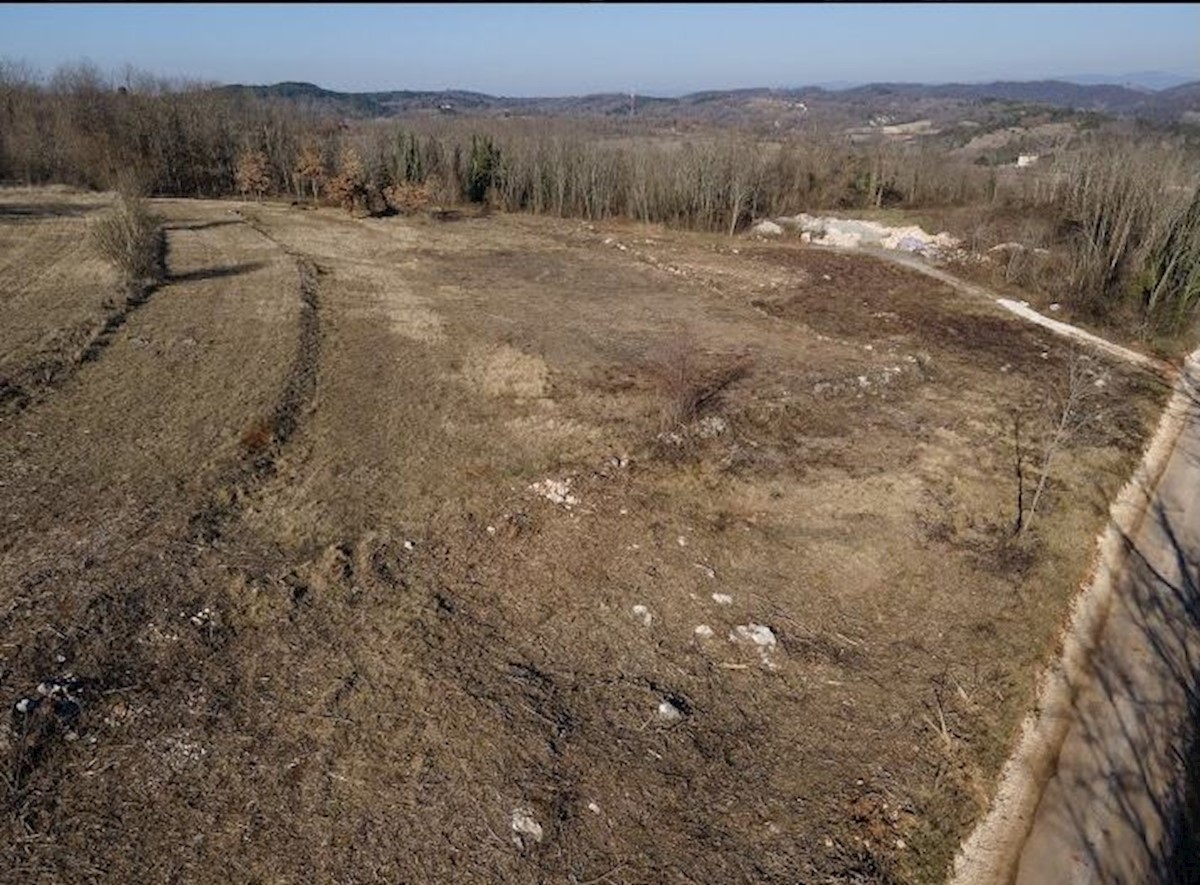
x,y
367,654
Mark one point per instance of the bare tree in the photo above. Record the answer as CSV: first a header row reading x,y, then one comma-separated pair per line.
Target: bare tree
x,y
1074,409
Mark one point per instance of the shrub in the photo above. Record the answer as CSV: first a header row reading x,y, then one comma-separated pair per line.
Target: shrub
x,y
408,198
689,382
129,236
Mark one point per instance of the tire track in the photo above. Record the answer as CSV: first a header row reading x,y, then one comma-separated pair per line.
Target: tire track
x,y
266,443
29,384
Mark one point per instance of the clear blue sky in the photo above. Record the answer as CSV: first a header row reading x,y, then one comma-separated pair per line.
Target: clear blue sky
x,y
578,48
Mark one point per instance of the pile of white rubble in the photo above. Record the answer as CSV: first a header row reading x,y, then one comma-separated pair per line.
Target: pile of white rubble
x,y
849,233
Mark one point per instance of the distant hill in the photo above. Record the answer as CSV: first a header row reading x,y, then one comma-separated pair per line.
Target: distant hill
x,y
754,104
1150,80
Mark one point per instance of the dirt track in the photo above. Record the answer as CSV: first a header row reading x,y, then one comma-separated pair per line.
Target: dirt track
x,y
277,545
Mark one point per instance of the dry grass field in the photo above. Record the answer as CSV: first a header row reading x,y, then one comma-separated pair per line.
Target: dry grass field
x,y
516,549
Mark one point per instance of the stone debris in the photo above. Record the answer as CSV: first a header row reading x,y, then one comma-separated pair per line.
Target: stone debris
x,y
643,614
703,631
556,491
593,808
722,599
524,825
767,229
760,635
854,234
711,426
202,618
668,712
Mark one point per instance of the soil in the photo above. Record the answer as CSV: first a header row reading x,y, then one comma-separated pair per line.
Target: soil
x,y
274,558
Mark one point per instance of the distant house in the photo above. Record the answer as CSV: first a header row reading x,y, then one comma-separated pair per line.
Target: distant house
x,y
1026,160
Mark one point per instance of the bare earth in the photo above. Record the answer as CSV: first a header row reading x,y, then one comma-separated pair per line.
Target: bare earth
x,y
272,553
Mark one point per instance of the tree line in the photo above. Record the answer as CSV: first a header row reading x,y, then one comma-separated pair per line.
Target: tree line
x,y
1124,213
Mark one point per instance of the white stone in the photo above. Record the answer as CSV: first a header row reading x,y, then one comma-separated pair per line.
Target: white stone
x,y
524,824
668,712
722,599
759,634
556,491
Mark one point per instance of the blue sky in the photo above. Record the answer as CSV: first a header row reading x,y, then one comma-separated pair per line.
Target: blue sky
x,y
577,48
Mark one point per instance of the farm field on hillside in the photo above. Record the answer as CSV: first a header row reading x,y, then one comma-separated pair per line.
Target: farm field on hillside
x,y
506,548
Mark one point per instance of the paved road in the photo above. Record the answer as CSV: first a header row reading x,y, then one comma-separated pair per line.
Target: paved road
x,y
1108,808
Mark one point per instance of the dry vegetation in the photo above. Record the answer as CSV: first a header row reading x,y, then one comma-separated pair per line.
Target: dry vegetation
x,y
129,236
366,539
583,541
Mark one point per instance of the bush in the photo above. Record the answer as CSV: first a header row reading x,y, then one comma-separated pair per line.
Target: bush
x,y
129,236
689,384
409,198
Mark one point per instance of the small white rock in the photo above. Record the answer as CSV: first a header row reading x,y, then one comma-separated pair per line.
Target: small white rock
x,y
643,613
759,634
681,541
491,530
668,712
524,823
24,705
703,631
593,808
408,545
722,599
